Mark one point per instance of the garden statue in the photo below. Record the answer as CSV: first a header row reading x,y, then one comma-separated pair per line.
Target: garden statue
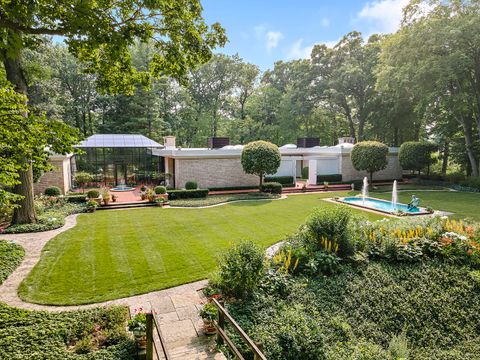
x,y
413,202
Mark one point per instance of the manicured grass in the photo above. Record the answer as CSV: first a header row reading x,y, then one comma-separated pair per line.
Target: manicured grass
x,y
462,204
113,254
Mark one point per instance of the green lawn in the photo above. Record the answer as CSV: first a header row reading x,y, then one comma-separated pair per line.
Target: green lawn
x,y
112,254
462,204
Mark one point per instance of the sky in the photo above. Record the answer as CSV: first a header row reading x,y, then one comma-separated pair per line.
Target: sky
x,y
265,31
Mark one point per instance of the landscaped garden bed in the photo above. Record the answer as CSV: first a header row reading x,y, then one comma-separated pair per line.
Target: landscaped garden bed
x,y
11,256
219,199
345,288
97,334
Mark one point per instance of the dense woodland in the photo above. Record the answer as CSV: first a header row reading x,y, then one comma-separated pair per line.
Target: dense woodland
x,y
422,82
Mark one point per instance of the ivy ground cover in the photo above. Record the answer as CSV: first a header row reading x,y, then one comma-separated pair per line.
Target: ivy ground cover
x,y
113,254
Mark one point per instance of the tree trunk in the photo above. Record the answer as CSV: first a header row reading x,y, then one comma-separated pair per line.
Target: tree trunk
x,y
446,155
467,133
261,182
25,212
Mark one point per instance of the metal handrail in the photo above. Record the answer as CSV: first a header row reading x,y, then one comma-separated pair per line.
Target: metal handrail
x,y
223,337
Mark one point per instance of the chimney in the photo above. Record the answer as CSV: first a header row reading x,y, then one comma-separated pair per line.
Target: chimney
x,y
308,142
217,142
169,142
346,140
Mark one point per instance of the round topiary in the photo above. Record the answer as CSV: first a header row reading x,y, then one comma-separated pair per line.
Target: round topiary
x,y
52,191
160,190
416,155
191,185
261,158
370,156
93,194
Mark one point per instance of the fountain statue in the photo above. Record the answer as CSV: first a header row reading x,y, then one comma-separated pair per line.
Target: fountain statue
x,y
364,189
394,196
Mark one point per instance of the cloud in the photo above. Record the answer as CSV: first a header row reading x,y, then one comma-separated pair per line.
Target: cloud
x,y
382,16
270,38
273,38
325,22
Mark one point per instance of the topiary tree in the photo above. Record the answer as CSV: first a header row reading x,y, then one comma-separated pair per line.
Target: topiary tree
x,y
416,155
191,185
82,178
370,156
260,158
52,191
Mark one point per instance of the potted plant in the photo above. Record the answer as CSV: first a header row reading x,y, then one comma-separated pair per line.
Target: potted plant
x,y
209,313
325,185
150,195
91,205
161,192
105,193
114,198
159,201
94,195
429,209
138,326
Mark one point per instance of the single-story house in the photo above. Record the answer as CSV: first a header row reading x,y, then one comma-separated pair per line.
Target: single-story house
x,y
119,159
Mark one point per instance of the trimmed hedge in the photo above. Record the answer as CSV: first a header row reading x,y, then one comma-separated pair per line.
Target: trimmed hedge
x,y
272,188
52,191
187,194
80,198
191,185
286,181
160,190
93,194
331,178
11,256
227,188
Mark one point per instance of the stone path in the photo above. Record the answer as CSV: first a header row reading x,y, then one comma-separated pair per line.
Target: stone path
x,y
176,308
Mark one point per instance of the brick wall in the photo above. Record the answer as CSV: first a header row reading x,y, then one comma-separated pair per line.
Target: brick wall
x,y
212,173
391,172
59,176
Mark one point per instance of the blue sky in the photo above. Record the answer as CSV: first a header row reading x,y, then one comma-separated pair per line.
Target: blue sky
x,y
265,31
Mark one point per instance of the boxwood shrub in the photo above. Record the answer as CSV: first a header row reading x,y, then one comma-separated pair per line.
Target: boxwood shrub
x,y
272,188
11,256
93,194
228,188
191,185
52,191
160,190
77,198
331,178
187,194
286,181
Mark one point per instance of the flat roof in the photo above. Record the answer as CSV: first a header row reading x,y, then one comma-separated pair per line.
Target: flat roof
x,y
118,141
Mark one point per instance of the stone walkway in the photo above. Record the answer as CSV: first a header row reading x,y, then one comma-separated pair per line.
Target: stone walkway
x,y
176,309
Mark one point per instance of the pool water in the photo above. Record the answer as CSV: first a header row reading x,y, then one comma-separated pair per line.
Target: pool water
x,y
122,188
381,205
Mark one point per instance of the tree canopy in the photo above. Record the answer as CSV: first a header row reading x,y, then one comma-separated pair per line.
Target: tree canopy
x,y
370,156
260,158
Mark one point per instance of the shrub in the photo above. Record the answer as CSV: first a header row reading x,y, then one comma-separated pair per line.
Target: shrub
x,y
93,194
332,178
52,191
240,269
416,155
191,185
82,178
271,187
370,156
286,181
260,158
80,198
187,194
305,172
159,190
332,225
471,182
11,256
227,188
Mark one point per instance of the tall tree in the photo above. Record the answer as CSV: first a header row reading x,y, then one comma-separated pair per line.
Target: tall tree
x,y
99,34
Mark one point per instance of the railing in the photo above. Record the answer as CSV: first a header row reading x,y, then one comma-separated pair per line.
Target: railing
x,y
222,336
151,348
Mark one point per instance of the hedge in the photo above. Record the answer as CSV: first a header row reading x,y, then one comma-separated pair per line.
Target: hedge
x,y
187,194
80,198
11,256
191,185
272,188
228,188
286,181
52,191
331,178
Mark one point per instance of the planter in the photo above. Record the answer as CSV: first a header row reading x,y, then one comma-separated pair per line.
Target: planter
x,y
106,201
98,200
209,327
141,340
162,196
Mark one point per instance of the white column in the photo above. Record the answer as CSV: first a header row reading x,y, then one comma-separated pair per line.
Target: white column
x,y
312,172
